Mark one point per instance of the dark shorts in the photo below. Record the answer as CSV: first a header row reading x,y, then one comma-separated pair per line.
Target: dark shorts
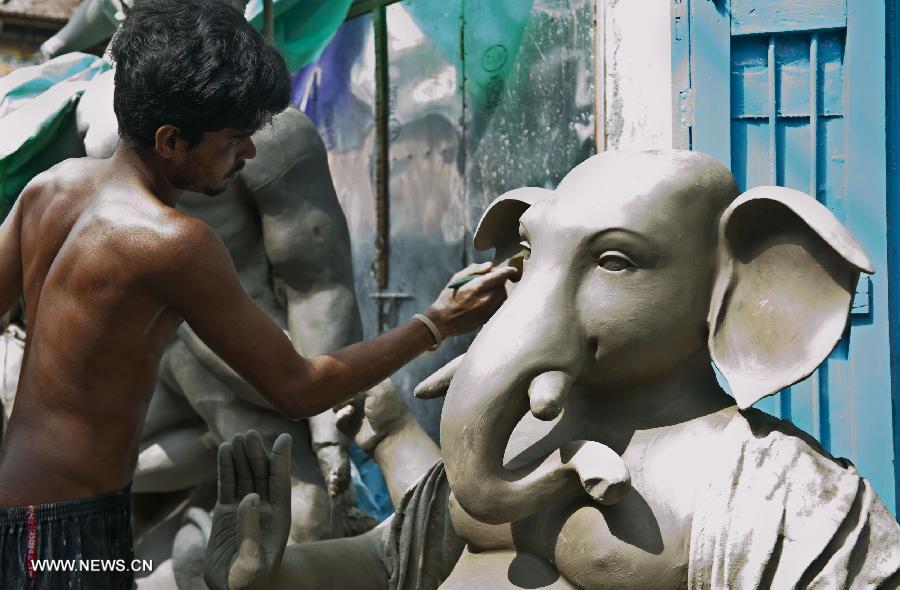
x,y
82,544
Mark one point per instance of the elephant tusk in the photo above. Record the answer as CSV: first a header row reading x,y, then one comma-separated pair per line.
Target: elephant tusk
x,y
547,394
437,384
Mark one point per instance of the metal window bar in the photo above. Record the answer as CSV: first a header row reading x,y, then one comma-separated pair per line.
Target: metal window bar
x,y
813,115
773,115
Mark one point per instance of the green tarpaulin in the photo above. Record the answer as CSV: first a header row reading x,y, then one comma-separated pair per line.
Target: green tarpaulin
x,y
302,27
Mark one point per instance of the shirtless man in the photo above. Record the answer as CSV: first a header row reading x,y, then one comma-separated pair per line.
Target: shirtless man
x,y
287,235
109,269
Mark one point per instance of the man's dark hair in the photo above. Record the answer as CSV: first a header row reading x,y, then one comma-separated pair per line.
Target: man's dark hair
x,y
197,65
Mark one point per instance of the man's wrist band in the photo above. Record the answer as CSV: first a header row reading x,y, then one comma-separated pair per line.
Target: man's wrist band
x,y
438,338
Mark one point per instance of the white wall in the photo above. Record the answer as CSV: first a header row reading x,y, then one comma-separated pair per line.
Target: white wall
x,y
634,52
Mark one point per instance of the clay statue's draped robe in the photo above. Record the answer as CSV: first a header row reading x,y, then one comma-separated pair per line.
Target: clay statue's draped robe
x,y
421,547
777,512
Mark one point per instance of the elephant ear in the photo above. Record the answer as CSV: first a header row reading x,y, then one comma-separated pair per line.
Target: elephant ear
x,y
787,274
499,226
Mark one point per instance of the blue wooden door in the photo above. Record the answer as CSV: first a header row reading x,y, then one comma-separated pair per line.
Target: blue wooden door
x,y
792,92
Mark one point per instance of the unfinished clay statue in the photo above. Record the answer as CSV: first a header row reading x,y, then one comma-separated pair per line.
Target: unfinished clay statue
x,y
586,442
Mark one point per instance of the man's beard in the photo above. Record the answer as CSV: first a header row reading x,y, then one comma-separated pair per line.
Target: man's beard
x,y
187,184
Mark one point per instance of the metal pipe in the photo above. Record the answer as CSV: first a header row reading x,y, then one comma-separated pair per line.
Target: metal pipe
x,y
382,162
773,115
367,6
813,115
268,21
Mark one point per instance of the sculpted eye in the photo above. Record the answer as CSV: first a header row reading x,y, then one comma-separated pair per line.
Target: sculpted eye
x,y
614,261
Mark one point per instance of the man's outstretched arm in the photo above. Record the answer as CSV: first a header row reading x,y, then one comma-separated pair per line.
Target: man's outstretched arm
x,y
200,282
11,258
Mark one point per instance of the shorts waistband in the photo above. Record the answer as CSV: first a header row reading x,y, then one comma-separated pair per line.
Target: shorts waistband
x,y
105,502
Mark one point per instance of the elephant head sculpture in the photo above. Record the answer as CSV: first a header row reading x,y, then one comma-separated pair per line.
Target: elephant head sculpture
x,y
642,268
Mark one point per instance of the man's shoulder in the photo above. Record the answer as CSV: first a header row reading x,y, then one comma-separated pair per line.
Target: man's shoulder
x,y
180,245
178,234
58,195
151,239
60,177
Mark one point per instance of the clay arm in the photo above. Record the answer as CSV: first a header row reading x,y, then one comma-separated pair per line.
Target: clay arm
x,y
88,26
11,257
381,424
352,562
217,366
248,340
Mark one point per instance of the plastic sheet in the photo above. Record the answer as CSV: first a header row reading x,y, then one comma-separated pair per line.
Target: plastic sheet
x,y
483,97
303,28
37,122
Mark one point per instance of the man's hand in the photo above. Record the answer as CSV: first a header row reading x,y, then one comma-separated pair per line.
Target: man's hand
x,y
468,307
248,538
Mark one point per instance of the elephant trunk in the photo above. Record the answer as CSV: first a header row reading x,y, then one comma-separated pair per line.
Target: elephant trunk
x,y
513,366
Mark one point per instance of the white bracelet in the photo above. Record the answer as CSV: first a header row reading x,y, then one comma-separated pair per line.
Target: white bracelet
x,y
432,328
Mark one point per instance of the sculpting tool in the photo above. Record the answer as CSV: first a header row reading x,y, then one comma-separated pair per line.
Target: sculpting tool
x,y
511,261
461,281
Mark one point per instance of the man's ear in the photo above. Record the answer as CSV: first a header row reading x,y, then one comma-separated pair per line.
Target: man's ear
x,y
169,141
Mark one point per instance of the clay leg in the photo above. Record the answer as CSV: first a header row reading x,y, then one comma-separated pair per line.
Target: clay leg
x,y
177,450
12,349
189,550
176,459
312,514
168,406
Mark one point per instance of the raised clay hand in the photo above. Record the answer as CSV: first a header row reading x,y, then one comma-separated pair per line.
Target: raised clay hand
x,y
252,518
373,415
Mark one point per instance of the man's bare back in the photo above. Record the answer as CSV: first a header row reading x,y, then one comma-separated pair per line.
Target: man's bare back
x,y
92,247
